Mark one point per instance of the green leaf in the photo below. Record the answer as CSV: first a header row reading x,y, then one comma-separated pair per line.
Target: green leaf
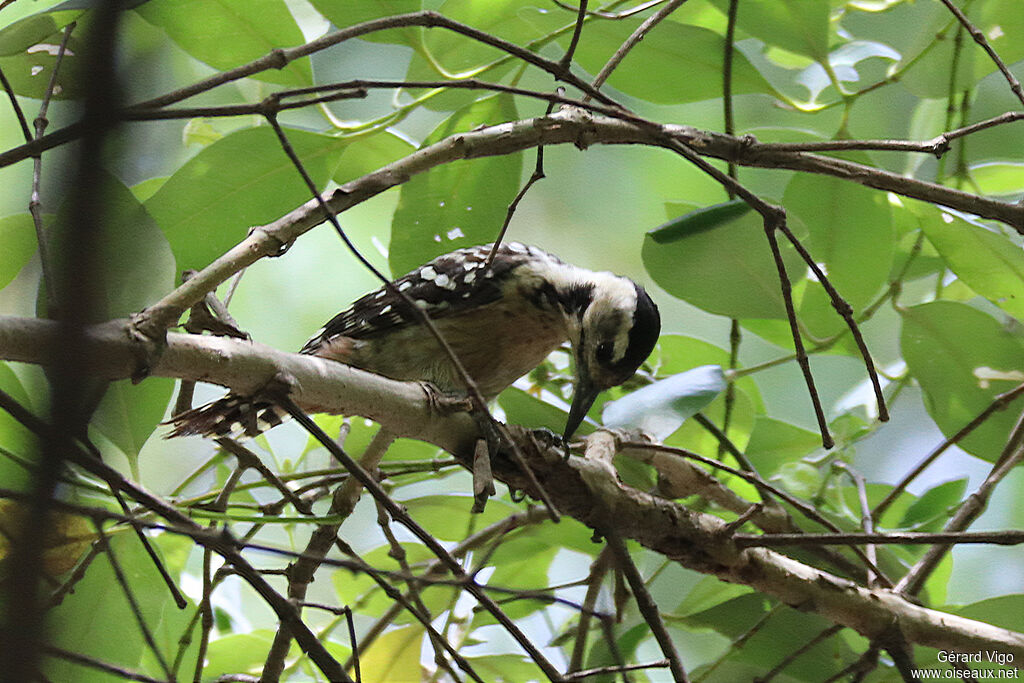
x,y
15,437
230,33
128,414
96,619
243,179
458,204
237,653
138,267
525,409
18,235
344,13
935,503
661,408
675,63
395,656
951,349
369,152
774,442
22,34
999,178
29,71
1005,611
850,233
795,25
986,261
502,18
448,516
728,270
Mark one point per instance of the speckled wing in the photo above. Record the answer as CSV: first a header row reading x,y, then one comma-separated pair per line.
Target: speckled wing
x,y
448,285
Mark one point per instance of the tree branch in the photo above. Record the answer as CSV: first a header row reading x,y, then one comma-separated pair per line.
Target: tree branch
x,y
585,490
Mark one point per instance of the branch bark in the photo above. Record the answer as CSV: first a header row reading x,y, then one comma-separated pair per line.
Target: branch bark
x,y
587,490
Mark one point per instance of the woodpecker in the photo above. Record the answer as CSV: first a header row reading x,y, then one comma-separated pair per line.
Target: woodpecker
x,y
501,321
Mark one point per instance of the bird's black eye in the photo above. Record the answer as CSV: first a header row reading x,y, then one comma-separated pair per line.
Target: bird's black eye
x,y
604,352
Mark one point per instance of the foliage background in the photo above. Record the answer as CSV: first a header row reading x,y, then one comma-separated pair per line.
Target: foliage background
x,y
203,182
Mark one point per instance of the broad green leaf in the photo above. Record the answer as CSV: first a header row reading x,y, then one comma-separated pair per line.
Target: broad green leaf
x,y
369,152
128,414
243,179
448,516
138,267
795,25
950,348
230,33
237,653
96,619
723,267
508,668
708,592
986,261
850,233
675,63
525,409
345,13
29,71
14,437
458,204
661,408
19,36
395,656
774,442
1006,611
18,235
999,178
935,504
456,52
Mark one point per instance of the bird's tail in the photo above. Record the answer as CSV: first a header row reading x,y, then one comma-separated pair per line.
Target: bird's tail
x,y
233,416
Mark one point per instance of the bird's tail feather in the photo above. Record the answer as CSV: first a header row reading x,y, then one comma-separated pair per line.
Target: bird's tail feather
x,y
232,415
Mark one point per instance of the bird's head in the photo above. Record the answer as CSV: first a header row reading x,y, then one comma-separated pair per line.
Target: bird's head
x,y
616,327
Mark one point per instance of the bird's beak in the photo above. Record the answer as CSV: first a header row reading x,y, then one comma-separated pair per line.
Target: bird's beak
x,y
584,397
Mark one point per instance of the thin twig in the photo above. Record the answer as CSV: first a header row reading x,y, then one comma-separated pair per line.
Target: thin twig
x,y
866,522
979,38
133,604
576,32
803,507
603,670
845,311
1010,537
479,403
798,343
1000,402
795,654
631,42
35,199
646,604
16,106
92,663
399,514
1012,454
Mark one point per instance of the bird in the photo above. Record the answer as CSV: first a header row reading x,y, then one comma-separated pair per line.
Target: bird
x,y
502,317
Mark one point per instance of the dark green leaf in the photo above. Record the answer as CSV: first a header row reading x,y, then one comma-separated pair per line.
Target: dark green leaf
x,y
774,442
794,25
459,204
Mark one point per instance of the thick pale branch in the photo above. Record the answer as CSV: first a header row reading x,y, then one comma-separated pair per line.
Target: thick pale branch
x,y
587,490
